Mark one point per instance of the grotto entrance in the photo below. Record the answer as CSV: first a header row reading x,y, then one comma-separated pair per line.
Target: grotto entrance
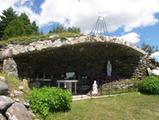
x,y
87,60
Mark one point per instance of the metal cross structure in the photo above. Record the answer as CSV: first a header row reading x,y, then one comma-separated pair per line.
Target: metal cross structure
x,y
100,27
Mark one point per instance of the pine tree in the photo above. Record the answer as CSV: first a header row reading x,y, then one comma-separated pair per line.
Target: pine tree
x,y
6,17
74,30
15,28
21,26
30,28
34,28
27,25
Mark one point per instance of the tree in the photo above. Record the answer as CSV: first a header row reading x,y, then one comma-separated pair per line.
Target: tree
x,y
20,26
148,48
60,29
30,28
34,28
15,28
6,17
73,29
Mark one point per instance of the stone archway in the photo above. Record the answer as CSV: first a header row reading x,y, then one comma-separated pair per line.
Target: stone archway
x,y
85,55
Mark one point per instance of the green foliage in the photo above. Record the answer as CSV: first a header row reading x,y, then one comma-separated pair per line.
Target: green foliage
x,y
6,17
12,25
34,28
67,34
61,29
20,26
25,40
47,99
58,29
14,28
150,85
74,30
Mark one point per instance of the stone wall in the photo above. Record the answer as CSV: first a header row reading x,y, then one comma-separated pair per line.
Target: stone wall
x,y
141,70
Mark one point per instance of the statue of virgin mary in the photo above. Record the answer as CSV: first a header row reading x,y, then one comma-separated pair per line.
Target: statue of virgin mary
x,y
109,69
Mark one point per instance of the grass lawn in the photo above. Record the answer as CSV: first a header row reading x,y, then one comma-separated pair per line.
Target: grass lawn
x,y
130,106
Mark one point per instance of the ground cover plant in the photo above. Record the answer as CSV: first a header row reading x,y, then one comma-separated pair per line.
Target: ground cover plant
x,y
150,85
49,99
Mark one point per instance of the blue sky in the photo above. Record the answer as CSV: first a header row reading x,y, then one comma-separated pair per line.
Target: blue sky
x,y
135,20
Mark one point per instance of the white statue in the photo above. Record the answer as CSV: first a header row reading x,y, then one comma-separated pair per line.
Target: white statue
x,y
95,88
109,69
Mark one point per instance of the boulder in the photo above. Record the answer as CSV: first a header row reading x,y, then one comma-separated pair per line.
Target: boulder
x,y
3,88
153,71
8,53
16,93
18,112
2,117
5,102
10,67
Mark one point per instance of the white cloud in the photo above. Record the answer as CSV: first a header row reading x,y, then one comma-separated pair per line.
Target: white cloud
x,y
131,37
6,4
155,55
128,14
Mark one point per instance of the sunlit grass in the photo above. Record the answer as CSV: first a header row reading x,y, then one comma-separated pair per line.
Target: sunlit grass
x,y
130,106
25,40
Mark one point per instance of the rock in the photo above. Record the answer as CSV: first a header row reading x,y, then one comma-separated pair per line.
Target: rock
x,y
1,52
10,67
8,53
18,112
3,88
155,72
17,93
21,88
54,36
25,85
17,100
26,104
30,48
2,117
2,78
5,102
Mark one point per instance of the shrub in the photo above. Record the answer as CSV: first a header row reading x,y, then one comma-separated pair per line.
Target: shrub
x,y
49,99
150,85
